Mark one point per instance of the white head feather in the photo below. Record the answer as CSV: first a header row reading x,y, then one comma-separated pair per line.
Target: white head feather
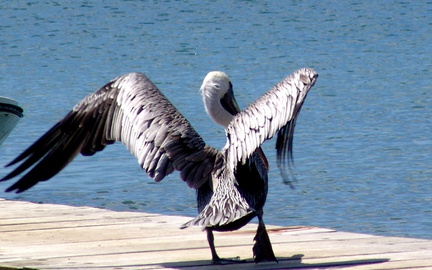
x,y
214,88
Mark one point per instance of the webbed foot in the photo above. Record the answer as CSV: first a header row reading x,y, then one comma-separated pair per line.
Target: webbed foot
x,y
223,261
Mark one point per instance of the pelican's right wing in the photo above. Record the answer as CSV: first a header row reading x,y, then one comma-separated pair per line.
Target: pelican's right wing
x,y
130,109
276,110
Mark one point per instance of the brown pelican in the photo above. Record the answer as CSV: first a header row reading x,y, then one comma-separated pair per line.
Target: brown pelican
x,y
231,183
251,177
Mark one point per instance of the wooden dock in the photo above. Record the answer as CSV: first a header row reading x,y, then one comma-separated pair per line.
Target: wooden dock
x,y
47,236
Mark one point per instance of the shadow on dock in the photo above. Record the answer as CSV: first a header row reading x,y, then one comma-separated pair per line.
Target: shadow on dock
x,y
293,262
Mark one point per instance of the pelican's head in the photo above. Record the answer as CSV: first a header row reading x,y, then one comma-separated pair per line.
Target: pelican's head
x,y
218,97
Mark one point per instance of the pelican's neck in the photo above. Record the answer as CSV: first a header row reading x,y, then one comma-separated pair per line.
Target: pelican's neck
x,y
216,112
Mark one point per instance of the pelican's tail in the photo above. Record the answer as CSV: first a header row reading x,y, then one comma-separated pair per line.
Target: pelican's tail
x,y
226,210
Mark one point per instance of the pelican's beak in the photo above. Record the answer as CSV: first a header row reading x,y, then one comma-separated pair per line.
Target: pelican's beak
x,y
229,102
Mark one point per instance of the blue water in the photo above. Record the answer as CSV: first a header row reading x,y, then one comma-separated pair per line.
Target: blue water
x,y
363,140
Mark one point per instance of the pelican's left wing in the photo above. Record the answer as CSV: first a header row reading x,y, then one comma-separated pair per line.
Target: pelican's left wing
x,y
275,111
130,109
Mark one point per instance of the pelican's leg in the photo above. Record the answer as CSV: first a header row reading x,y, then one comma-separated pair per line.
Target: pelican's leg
x,y
215,257
262,249
210,239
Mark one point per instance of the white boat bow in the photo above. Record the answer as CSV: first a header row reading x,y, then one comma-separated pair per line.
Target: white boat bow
x,y
10,113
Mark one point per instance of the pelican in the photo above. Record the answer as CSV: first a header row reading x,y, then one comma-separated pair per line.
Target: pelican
x,y
231,183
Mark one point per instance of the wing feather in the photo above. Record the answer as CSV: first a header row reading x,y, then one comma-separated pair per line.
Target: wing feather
x,y
276,110
129,109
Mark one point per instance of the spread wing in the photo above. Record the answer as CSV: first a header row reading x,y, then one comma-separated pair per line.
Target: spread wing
x,y
129,109
275,111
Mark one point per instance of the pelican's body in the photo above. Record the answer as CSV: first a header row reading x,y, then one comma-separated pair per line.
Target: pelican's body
x,y
231,183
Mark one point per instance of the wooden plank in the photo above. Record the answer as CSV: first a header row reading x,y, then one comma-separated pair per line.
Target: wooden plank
x,y
49,236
